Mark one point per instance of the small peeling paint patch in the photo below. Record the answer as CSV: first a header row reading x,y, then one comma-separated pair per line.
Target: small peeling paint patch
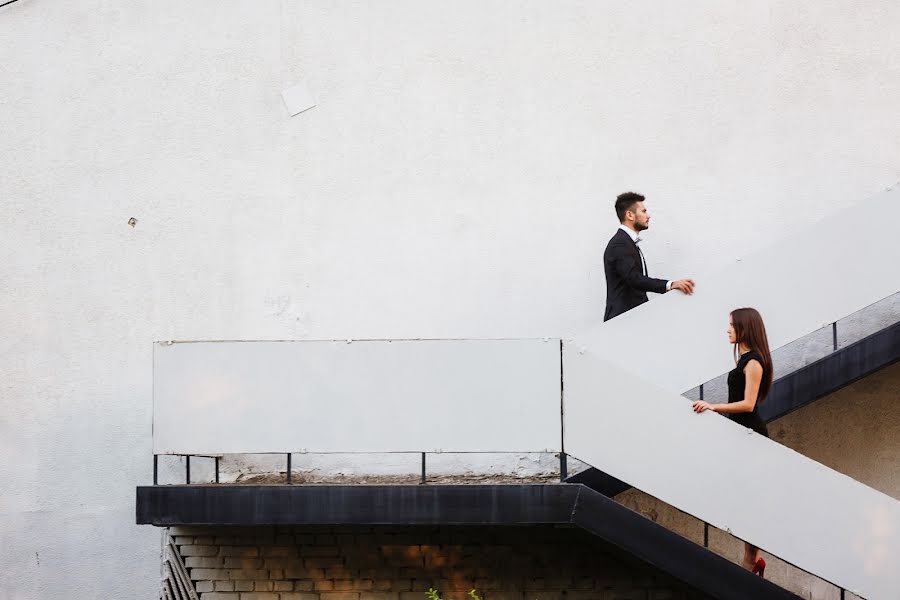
x,y
276,305
298,98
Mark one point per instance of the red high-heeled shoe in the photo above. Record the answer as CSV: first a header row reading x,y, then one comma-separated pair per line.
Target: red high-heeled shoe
x,y
759,568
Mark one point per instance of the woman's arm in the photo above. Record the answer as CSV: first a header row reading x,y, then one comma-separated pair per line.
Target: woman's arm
x,y
753,373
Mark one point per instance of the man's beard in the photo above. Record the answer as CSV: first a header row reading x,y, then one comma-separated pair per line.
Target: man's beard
x,y
641,226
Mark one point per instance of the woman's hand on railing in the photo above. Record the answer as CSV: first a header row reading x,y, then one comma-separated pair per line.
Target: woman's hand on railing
x,y
701,406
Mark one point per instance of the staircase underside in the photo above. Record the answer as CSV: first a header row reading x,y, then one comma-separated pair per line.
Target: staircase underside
x,y
797,389
833,372
630,532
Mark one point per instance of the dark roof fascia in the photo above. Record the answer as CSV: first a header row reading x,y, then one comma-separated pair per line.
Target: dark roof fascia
x,y
664,549
241,504
600,481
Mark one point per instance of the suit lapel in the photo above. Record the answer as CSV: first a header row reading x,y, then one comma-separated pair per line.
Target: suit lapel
x,y
637,249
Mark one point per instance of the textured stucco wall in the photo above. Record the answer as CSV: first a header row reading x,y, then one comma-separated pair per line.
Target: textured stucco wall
x,y
855,431
454,180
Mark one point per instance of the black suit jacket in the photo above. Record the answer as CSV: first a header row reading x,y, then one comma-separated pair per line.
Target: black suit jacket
x,y
627,283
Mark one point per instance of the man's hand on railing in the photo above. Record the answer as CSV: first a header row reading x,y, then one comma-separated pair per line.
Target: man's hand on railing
x,y
684,285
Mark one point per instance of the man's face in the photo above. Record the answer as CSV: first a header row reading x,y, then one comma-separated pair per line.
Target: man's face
x,y
641,217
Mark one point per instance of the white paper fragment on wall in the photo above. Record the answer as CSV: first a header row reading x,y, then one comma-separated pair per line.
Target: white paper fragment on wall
x,y
298,98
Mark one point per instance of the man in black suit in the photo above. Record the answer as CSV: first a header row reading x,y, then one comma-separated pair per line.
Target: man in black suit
x,y
627,282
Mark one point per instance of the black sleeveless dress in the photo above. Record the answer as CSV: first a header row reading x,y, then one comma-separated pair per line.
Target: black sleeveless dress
x,y
736,382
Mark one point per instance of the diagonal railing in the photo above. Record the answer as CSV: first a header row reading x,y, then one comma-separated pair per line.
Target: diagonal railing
x,y
797,388
822,273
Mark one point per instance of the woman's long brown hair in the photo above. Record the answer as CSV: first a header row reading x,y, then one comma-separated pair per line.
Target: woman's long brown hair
x,y
750,330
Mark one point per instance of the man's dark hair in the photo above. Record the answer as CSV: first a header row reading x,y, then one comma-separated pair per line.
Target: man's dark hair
x,y
626,202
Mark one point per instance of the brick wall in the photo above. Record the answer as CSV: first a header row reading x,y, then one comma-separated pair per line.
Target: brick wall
x,y
391,563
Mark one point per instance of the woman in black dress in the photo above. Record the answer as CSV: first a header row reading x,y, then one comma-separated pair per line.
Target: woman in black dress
x,y
748,385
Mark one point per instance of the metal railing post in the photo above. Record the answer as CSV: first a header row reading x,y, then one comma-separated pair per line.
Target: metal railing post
x,y
563,462
423,468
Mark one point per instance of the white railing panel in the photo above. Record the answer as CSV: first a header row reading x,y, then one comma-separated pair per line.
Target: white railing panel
x,y
823,272
722,473
364,396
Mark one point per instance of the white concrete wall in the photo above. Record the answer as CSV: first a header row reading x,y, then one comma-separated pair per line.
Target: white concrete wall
x,y
455,180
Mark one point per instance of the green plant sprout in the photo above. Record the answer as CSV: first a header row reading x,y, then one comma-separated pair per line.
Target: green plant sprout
x,y
432,594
